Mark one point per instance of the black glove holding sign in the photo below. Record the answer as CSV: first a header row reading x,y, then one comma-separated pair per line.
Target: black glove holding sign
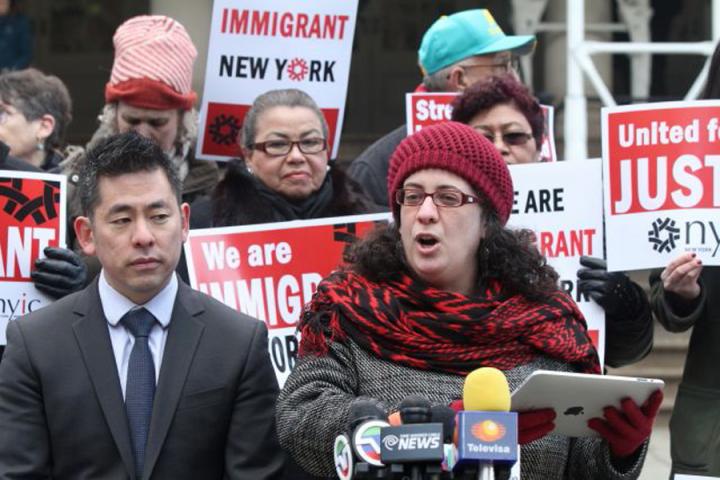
x,y
60,273
613,291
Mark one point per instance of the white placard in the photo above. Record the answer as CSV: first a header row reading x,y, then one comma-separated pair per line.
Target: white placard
x,y
661,164
562,203
274,44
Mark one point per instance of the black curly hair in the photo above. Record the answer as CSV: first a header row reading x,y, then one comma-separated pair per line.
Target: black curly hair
x,y
508,256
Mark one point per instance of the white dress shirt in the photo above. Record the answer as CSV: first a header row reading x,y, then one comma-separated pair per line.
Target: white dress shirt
x,y
115,306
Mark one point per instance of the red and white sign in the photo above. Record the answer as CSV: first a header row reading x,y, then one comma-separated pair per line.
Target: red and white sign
x,y
275,44
32,217
428,108
662,188
270,271
562,203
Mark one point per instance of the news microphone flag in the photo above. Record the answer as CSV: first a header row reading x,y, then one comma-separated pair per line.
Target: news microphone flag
x,y
342,454
366,440
487,437
486,432
414,443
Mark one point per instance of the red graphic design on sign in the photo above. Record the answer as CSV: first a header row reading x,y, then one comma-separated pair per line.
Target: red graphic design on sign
x,y
224,123
29,222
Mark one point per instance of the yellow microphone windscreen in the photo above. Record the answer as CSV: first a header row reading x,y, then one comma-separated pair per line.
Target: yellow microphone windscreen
x,y
486,389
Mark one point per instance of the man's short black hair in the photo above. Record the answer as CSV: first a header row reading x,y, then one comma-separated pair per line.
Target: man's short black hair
x,y
119,155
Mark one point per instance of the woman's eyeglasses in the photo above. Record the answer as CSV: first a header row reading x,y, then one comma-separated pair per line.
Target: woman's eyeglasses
x,y
510,138
445,197
278,148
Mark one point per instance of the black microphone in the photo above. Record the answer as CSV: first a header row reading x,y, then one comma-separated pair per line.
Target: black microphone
x,y
446,415
366,419
417,443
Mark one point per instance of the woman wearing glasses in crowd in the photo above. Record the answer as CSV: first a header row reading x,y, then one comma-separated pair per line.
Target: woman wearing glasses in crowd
x,y
447,289
285,173
506,113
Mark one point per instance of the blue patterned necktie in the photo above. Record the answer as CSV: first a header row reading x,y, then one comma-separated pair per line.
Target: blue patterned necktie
x,y
140,386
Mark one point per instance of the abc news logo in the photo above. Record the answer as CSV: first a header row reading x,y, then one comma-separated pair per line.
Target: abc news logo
x,y
697,235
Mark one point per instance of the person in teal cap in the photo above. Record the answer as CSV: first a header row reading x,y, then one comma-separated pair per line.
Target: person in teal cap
x,y
456,51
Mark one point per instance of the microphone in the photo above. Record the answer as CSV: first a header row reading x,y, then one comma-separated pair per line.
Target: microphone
x,y
417,443
365,421
446,415
487,433
342,454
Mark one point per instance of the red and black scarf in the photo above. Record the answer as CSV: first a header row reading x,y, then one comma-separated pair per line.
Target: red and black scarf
x,y
415,325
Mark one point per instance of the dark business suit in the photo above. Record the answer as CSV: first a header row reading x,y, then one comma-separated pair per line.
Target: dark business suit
x,y
62,413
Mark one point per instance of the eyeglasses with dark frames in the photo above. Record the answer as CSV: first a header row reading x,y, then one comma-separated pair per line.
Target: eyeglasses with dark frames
x,y
445,197
510,138
277,148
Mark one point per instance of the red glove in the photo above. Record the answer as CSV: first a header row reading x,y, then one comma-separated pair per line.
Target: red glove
x,y
625,431
532,424
535,424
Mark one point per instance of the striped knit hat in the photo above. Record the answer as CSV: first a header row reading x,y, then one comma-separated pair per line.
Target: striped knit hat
x,y
153,64
459,149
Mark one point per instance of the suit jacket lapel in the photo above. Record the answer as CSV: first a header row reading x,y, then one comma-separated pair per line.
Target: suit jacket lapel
x,y
92,335
183,338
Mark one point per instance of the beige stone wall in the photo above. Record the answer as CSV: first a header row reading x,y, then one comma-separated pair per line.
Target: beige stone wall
x,y
195,16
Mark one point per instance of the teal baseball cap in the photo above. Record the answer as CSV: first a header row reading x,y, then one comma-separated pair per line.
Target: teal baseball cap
x,y
465,34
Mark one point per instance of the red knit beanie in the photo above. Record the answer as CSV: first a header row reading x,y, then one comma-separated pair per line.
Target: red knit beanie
x,y
153,64
459,149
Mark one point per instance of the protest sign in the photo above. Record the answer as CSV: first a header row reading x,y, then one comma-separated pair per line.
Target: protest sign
x,y
32,217
425,109
661,164
562,203
275,44
270,271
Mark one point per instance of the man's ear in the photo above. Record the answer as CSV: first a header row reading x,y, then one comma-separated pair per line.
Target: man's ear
x,y
84,235
185,219
457,81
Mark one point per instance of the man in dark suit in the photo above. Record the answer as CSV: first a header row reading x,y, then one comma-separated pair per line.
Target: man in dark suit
x,y
136,376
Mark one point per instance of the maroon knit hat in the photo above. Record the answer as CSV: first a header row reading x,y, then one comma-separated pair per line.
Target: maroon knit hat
x,y
459,149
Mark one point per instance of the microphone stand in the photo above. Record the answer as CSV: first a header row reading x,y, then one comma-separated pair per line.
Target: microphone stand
x,y
486,472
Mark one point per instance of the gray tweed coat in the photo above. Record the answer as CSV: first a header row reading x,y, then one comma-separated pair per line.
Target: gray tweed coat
x,y
313,407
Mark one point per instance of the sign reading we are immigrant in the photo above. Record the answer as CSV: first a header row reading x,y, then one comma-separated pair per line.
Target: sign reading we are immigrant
x,y
561,203
32,217
270,271
661,166
274,44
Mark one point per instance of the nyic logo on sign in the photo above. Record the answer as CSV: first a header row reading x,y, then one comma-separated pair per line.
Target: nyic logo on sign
x,y
12,308
663,235
699,236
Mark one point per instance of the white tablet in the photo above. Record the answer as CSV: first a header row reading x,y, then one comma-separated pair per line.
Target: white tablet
x,y
578,397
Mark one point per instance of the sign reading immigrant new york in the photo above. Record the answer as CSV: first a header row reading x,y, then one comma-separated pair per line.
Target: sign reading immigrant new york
x,y
275,44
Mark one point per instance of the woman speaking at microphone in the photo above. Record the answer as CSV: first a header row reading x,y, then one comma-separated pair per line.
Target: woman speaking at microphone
x,y
445,290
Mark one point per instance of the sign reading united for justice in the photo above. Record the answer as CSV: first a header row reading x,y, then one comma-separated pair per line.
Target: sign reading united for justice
x,y
662,188
271,271
275,44
32,217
